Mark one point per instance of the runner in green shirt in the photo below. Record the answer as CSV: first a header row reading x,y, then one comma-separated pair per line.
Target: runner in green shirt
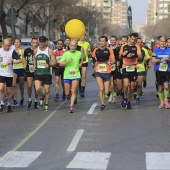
x,y
71,61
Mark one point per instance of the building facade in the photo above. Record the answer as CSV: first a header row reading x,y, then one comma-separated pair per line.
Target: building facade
x,y
157,10
114,11
119,15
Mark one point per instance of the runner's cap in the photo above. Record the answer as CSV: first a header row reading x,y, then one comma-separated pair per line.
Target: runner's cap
x,y
42,39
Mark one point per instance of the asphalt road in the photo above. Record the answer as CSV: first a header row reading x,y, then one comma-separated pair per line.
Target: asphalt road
x,y
115,139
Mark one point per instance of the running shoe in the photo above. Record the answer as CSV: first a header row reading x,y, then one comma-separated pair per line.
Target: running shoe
x,y
29,104
137,100
46,108
41,103
134,96
129,106
167,105
64,97
15,103
82,94
21,102
2,106
141,94
124,104
102,107
9,109
71,109
5,99
56,98
110,99
114,100
1,109
35,105
161,105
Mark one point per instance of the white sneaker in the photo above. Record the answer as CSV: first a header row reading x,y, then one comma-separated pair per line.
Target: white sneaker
x,y
114,100
110,99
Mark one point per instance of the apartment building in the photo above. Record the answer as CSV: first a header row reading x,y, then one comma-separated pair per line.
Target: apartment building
x,y
119,15
157,10
114,11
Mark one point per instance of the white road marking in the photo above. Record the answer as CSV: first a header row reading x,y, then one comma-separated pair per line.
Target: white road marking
x,y
75,140
90,160
16,159
92,109
158,160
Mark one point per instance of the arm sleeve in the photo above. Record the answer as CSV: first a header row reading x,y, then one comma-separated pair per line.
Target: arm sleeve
x,y
112,56
121,50
154,54
94,53
15,55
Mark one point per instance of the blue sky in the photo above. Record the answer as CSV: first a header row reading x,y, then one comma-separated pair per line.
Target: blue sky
x,y
139,11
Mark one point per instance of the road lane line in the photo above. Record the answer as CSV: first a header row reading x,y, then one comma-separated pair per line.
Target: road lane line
x,y
75,140
37,128
92,109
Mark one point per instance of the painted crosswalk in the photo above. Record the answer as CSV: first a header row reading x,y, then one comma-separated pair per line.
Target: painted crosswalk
x,y
84,160
90,160
18,159
158,160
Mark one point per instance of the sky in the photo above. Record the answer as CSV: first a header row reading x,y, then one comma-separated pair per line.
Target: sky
x,y
139,12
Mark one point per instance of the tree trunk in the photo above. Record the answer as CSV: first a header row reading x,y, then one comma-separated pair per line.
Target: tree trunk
x,y
2,19
33,32
3,27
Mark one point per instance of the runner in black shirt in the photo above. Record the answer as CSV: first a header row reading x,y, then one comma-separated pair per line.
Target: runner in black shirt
x,y
28,55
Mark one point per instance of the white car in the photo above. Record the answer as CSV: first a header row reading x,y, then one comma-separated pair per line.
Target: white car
x,y
26,43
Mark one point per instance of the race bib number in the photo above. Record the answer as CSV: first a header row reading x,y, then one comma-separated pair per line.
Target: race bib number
x,y
102,67
163,67
16,66
113,67
31,70
4,66
130,68
58,59
41,63
72,72
140,68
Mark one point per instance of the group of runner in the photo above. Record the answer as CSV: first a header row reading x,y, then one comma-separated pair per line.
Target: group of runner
x,y
120,68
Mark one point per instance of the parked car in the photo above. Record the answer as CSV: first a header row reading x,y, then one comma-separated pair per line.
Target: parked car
x,y
26,43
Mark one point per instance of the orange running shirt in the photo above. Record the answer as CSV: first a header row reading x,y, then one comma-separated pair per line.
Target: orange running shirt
x,y
103,56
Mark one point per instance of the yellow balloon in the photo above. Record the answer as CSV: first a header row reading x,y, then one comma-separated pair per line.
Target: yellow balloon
x,y
75,29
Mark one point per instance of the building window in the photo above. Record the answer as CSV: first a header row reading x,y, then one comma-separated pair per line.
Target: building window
x,y
160,11
165,11
160,17
160,5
